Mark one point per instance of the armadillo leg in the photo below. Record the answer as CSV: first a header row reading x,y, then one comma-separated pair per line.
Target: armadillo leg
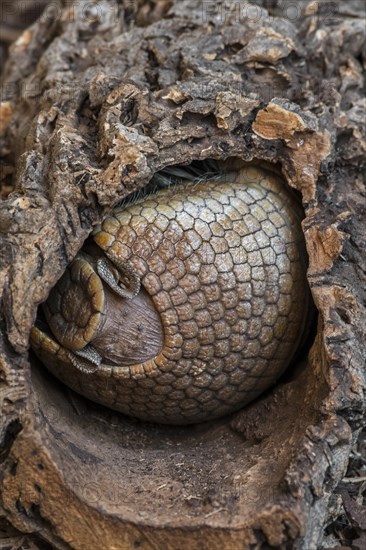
x,y
86,360
119,276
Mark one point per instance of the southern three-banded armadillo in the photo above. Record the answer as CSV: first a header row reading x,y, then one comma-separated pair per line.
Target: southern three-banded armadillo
x,y
189,303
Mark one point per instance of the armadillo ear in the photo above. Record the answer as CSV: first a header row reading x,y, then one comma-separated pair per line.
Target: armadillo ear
x,y
119,276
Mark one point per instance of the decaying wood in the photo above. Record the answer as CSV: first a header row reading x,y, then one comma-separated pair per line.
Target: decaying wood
x,y
94,106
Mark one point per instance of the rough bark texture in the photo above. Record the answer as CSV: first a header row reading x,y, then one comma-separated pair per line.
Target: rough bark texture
x,y
95,101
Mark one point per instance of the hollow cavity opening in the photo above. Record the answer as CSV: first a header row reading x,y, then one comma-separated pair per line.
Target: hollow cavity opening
x,y
225,468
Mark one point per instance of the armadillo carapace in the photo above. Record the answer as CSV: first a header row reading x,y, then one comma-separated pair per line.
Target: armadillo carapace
x,y
189,304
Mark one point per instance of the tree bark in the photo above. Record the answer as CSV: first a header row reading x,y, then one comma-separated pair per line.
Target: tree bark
x,y
95,102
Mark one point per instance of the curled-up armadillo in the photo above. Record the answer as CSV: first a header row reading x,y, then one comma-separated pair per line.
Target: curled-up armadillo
x,y
189,303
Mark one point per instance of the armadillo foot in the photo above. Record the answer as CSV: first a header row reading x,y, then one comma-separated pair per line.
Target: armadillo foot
x,y
120,277
87,360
